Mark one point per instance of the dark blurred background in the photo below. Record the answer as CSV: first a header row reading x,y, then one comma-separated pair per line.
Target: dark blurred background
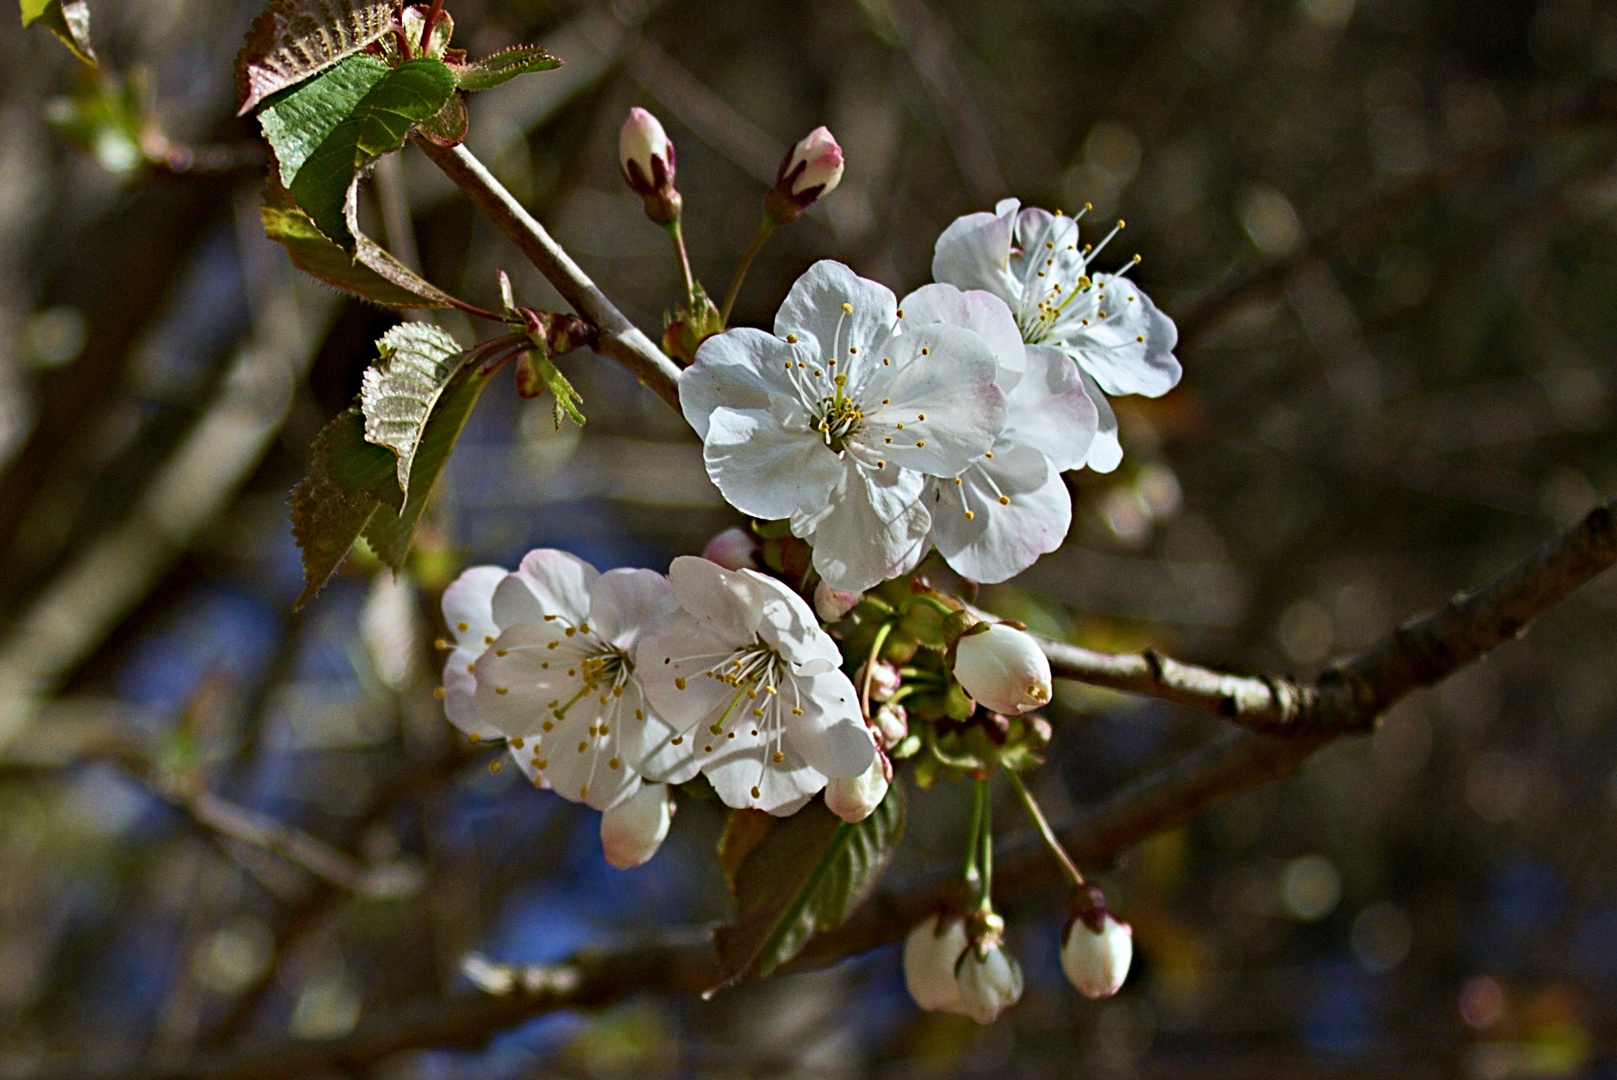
x,y
1388,229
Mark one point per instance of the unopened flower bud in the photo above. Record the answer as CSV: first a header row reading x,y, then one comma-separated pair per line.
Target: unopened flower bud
x,y
853,798
733,549
810,171
930,954
892,725
647,156
990,980
632,831
1096,950
833,604
884,681
1004,669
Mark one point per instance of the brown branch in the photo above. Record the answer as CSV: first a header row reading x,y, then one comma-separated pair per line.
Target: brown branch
x,y
620,339
1347,698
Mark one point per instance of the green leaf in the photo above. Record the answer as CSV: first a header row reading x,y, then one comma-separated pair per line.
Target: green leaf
x,y
503,66
807,873
294,39
371,273
330,506
352,487
297,123
401,387
377,125
390,534
69,20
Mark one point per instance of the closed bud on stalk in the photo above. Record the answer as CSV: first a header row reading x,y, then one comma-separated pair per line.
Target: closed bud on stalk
x,y
990,979
1003,668
833,604
810,171
853,798
647,156
930,954
733,549
1096,947
892,725
884,681
632,831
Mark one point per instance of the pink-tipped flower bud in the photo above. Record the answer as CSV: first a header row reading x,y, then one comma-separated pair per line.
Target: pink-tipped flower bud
x,y
853,798
1003,668
931,952
892,725
733,549
831,604
1096,950
647,156
884,681
633,830
810,171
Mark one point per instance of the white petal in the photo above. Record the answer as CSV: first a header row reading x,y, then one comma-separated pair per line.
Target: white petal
x,y
1050,410
831,734
744,773
624,604
681,650
945,399
765,469
460,694
1048,252
723,599
598,774
1000,541
632,831
522,663
790,628
875,527
1131,350
974,253
549,582
1106,452
813,310
854,798
741,369
929,963
976,310
468,606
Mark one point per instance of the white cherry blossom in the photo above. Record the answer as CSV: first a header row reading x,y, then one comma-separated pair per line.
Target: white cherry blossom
x,y
747,689
1036,262
468,606
990,981
559,682
1097,961
931,952
836,420
1003,668
1011,505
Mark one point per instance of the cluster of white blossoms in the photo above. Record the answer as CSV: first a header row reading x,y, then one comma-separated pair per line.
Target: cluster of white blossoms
x,y
609,687
877,430
881,428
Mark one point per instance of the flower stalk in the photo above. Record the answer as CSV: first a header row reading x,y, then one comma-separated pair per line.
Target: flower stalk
x,y
1042,823
766,228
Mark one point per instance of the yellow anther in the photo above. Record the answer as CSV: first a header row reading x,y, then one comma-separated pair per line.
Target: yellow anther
x,y
680,682
502,690
548,725
495,766
1004,500
756,793
488,639
779,757
583,746
440,693
926,351
440,644
920,443
614,763
791,339
462,627
517,742
847,309
971,515
502,652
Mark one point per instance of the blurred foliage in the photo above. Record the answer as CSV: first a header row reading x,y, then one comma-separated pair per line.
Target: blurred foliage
x,y
1418,391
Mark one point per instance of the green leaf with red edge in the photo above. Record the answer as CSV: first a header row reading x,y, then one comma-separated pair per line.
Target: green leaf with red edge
x,y
803,875
377,125
371,273
348,479
69,20
292,40
447,127
503,66
352,487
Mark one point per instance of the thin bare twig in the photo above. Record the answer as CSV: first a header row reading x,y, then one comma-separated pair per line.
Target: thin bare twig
x,y
619,338
1417,654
